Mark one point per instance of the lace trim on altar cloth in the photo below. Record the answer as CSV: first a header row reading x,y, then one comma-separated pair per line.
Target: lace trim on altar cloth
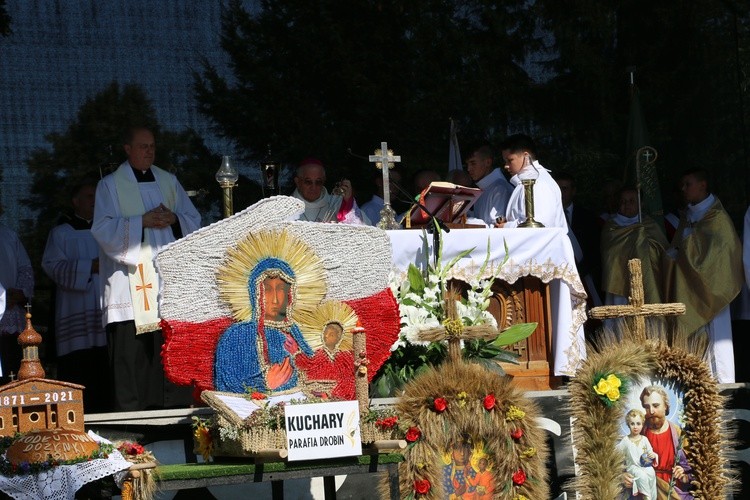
x,y
62,482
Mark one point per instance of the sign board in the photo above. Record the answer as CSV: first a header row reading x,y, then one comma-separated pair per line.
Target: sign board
x,y
322,430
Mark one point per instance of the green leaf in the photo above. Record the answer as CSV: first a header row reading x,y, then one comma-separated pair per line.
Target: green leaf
x,y
416,280
507,357
455,259
514,334
490,365
382,387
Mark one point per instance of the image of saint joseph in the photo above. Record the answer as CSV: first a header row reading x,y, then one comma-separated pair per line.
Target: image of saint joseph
x,y
258,354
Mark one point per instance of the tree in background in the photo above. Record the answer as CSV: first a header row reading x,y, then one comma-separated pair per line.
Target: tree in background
x,y
4,20
319,79
92,147
691,62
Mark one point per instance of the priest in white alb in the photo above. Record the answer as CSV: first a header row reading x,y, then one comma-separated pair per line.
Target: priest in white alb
x,y
140,208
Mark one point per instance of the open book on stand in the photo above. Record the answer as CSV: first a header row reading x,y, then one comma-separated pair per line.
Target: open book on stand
x,y
447,201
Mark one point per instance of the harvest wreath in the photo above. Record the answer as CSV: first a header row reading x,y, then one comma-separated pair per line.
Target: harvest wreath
x,y
470,431
700,440
10,467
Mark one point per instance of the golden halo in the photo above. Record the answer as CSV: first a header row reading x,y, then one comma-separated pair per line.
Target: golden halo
x,y
258,251
313,324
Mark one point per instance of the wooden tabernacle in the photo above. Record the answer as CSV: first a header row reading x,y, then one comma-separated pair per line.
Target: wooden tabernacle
x,y
527,301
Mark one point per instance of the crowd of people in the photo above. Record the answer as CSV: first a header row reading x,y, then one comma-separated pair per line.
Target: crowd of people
x,y
100,258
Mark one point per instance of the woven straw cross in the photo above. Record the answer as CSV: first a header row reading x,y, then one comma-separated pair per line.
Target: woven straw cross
x,y
454,330
636,311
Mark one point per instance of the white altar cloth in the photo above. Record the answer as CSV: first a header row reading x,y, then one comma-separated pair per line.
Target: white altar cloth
x,y
545,253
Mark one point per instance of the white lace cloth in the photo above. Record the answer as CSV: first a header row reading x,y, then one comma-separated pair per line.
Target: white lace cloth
x,y
63,481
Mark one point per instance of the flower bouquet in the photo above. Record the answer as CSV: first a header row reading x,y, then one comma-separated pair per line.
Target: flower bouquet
x,y
424,300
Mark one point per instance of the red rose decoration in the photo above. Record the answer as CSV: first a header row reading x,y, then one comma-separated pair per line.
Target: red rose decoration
x,y
489,402
440,405
519,477
387,423
422,486
128,448
516,433
413,434
258,395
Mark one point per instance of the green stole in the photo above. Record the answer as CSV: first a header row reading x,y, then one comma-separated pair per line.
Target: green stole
x,y
144,283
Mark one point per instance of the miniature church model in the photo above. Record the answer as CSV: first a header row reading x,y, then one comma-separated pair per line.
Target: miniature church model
x,y
33,403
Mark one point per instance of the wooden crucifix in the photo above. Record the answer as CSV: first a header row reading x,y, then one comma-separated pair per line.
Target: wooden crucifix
x,y
636,311
385,160
454,330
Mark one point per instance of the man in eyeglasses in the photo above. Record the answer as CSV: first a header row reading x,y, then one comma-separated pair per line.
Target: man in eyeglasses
x,y
321,206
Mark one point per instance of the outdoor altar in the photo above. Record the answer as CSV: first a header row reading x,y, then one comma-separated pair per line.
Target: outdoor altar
x,y
538,283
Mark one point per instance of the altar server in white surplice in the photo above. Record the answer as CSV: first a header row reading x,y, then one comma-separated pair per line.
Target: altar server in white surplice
x,y
519,154
139,209
71,260
496,190
17,278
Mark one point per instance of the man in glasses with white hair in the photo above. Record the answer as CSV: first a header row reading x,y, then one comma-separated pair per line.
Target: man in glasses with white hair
x,y
320,205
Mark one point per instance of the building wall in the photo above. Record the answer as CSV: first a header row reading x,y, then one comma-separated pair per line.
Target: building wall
x,y
62,52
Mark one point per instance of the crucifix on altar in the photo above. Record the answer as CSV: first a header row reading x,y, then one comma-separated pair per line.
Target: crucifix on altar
x,y
385,160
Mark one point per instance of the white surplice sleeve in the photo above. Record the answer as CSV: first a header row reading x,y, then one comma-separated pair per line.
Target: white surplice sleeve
x,y
68,273
118,237
189,218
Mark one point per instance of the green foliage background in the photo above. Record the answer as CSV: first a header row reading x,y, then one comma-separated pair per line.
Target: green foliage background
x,y
328,78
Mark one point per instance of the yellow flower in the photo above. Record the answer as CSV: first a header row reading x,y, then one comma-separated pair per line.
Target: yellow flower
x,y
613,381
613,394
462,398
202,436
528,452
514,413
453,327
602,388
520,497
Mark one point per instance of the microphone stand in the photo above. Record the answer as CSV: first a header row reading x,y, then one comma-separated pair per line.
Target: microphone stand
x,y
435,226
